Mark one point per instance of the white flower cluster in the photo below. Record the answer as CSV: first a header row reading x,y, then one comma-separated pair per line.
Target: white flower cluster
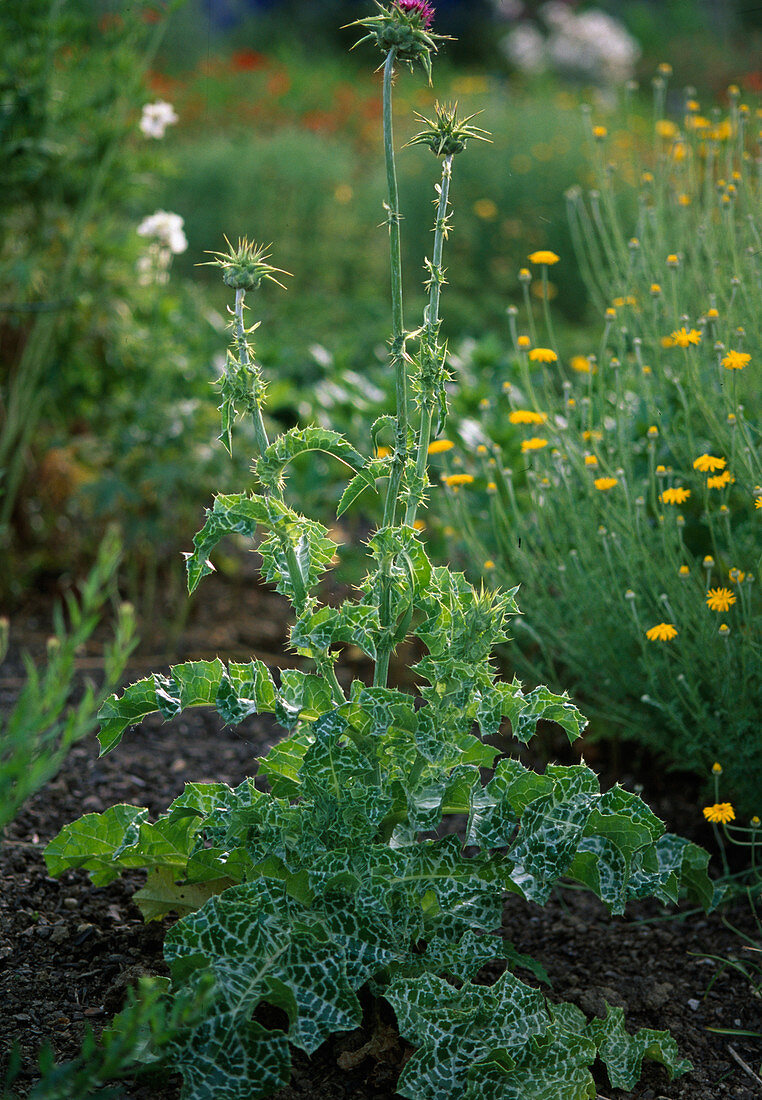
x,y
156,117
166,229
589,45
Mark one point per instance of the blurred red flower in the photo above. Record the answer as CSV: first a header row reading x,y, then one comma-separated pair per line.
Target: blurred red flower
x,y
245,61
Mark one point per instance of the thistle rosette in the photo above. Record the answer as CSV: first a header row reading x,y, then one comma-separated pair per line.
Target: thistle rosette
x,y
245,267
403,26
446,134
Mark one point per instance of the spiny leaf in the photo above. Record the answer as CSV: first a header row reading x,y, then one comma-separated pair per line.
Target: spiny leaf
x,y
361,482
623,1054
257,956
240,514
297,441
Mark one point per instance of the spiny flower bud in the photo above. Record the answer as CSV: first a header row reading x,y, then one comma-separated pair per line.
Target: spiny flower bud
x,y
403,26
446,134
245,267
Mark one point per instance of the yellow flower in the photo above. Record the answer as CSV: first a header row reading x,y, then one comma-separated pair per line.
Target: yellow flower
x,y
736,360
662,632
525,275
673,260
599,132
383,452
719,481
652,432
524,342
543,256
533,444
720,599
708,562
605,483
543,355
439,446
712,314
491,487
489,564
595,434
581,364
683,337
683,571
708,463
647,177
674,496
720,814
591,460
419,525
684,200
655,289
527,416
667,342
736,576
666,128
723,629
758,502
717,768
454,480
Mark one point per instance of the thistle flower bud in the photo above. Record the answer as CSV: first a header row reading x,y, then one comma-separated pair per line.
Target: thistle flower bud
x,y
446,134
403,26
245,267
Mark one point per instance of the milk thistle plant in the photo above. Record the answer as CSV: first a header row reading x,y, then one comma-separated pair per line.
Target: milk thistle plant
x,y
335,879
632,516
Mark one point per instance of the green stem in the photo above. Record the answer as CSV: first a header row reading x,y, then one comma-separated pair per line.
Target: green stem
x,y
398,357
399,360
244,357
430,332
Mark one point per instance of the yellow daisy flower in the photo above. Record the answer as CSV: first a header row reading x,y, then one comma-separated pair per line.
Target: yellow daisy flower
x,y
543,256
454,480
736,360
662,632
708,463
439,446
533,444
683,337
543,355
720,599
720,814
674,496
527,416
605,483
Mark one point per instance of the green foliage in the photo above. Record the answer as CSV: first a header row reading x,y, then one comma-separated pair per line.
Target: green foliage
x,y
642,495
346,874
142,1033
100,410
43,723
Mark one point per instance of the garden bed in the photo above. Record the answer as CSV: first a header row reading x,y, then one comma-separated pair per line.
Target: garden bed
x,y
68,951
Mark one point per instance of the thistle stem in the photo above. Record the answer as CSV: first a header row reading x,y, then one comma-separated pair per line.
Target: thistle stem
x,y
399,360
430,332
260,431
398,356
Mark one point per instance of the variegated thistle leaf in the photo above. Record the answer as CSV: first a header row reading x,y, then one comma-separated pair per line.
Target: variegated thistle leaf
x,y
504,1042
235,690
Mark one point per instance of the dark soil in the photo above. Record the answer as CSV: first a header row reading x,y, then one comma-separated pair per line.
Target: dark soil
x,y
68,951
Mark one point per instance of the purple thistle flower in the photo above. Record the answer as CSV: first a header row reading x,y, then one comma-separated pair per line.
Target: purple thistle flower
x,y
422,8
